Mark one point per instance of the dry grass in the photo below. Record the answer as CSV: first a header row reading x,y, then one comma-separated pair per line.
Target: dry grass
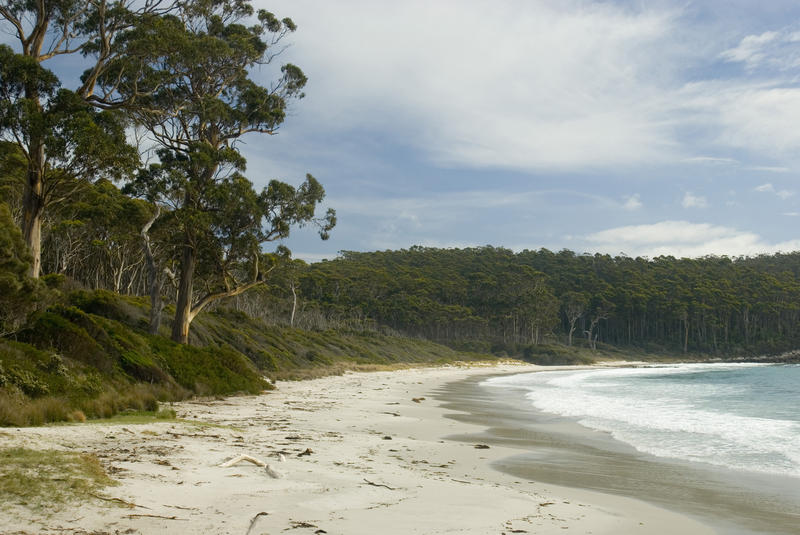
x,y
41,479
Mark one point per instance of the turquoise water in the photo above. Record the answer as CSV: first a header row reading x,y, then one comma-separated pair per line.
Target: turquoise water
x,y
744,416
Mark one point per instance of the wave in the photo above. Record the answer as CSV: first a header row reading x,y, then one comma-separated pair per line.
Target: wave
x,y
687,411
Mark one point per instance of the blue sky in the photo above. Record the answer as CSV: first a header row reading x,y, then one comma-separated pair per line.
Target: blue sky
x,y
638,127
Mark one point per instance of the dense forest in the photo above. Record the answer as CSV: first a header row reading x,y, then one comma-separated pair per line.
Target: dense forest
x,y
494,299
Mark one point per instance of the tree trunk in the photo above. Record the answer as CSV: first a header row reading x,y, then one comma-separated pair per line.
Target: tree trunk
x,y
32,209
153,276
294,305
183,308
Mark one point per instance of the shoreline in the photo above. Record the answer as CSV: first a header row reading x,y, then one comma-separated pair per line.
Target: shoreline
x,y
364,453
560,450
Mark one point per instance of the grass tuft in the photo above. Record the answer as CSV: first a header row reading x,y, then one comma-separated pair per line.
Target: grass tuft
x,y
40,479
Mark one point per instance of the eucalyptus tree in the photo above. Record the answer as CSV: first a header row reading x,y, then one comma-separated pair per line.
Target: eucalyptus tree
x,y
58,130
202,101
20,294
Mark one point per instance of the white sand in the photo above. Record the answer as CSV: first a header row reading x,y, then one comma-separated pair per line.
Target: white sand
x,y
355,480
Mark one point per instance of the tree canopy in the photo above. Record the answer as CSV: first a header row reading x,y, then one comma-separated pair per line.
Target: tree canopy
x,y
202,102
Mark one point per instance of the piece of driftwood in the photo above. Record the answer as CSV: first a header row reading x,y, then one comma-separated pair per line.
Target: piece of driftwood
x,y
301,524
117,500
192,435
417,400
240,458
368,482
156,516
253,521
271,472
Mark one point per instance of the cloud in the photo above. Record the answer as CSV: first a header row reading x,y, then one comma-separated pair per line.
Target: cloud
x,y
632,202
751,50
543,85
769,169
712,160
520,85
692,201
769,188
774,49
684,239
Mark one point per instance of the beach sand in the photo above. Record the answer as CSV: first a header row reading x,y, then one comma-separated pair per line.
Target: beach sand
x,y
362,453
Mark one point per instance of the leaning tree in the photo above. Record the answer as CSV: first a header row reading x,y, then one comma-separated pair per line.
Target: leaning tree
x,y
203,100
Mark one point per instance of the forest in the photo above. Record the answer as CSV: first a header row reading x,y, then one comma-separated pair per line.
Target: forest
x,y
494,299
139,263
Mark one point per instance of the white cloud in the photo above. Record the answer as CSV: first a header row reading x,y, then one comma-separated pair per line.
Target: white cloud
x,y
684,239
517,84
775,49
692,201
712,160
769,169
751,49
632,202
769,188
541,84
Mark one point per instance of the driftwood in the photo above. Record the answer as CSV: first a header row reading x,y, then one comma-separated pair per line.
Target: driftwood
x,y
253,521
274,474
117,500
157,516
378,484
240,458
192,435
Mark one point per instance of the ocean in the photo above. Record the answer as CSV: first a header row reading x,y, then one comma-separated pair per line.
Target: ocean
x,y
743,417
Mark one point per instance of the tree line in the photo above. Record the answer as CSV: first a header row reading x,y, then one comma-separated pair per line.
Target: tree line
x,y
493,295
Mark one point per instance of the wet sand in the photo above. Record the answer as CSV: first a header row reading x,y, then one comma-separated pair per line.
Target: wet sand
x,y
561,452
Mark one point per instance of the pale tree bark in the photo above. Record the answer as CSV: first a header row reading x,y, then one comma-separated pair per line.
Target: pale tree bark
x,y
591,336
153,276
573,315
294,304
183,308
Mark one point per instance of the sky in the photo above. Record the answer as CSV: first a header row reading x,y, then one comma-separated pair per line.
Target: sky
x,y
630,127
642,128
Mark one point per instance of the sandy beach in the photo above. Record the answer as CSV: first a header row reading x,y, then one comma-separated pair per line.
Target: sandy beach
x,y
360,453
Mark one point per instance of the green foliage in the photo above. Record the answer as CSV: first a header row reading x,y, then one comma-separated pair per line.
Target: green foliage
x,y
546,355
487,295
203,100
19,294
210,370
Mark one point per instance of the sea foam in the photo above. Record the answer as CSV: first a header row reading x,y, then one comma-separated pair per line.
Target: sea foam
x,y
738,416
